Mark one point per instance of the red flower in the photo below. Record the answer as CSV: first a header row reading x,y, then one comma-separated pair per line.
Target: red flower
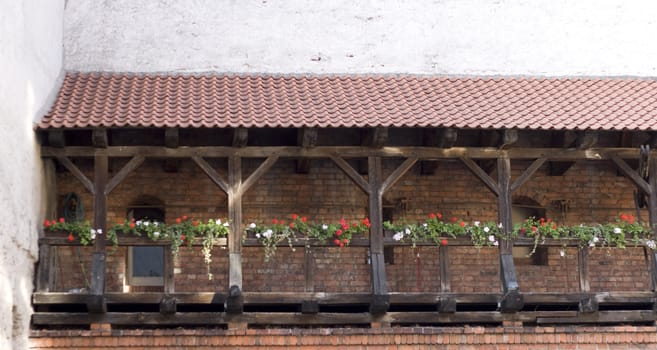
x,y
70,237
338,233
184,217
178,220
454,219
341,245
542,220
304,219
554,226
194,223
366,222
534,228
274,221
542,223
132,225
523,230
630,219
61,220
291,225
336,241
46,223
345,227
345,241
443,242
439,215
354,224
623,217
294,216
462,223
343,222
432,216
183,237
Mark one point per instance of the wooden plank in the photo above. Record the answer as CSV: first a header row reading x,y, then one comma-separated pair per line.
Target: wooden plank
x,y
632,174
636,316
131,166
309,269
583,269
77,173
169,267
211,173
481,174
100,222
527,174
240,137
257,174
45,267
351,173
124,241
445,278
397,174
423,153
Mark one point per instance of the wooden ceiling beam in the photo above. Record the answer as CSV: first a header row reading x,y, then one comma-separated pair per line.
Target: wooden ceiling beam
x,y
306,138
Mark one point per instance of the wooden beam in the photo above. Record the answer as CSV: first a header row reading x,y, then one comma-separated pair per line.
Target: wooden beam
x,y
632,175
240,137
587,139
257,174
512,301
583,269
396,175
44,277
131,166
423,153
527,174
77,173
351,173
169,275
482,175
211,173
309,269
96,300
99,138
652,210
380,302
306,138
234,302
509,138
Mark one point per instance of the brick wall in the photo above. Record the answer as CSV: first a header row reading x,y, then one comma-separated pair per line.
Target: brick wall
x,y
499,338
592,190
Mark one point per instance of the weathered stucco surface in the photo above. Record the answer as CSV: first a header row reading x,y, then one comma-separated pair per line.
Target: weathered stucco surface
x,y
456,37
30,61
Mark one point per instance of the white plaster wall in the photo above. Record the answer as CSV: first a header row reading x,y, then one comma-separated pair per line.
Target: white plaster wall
x,y
30,63
456,37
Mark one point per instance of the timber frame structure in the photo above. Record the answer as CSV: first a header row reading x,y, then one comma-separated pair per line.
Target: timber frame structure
x,y
491,151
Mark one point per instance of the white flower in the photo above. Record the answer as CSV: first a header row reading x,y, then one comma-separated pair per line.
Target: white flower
x,y
562,253
591,244
500,225
93,232
139,222
226,224
407,231
257,235
93,235
651,244
267,233
476,223
156,234
398,236
146,223
218,222
425,225
496,243
155,223
99,231
486,229
617,230
252,225
491,238
324,227
596,239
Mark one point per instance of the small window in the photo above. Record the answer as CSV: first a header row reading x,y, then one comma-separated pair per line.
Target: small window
x,y
146,263
522,209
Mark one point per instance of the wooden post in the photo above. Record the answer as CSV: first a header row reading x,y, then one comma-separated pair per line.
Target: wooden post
x,y
512,300
587,303
380,302
652,210
96,303
234,303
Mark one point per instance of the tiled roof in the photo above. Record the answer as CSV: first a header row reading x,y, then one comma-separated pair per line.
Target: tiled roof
x,y
190,101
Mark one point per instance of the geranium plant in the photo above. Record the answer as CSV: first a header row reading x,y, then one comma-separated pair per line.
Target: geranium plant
x,y
77,230
279,231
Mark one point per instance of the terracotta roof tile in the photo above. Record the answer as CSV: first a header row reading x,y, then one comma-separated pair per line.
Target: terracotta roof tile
x,y
191,101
